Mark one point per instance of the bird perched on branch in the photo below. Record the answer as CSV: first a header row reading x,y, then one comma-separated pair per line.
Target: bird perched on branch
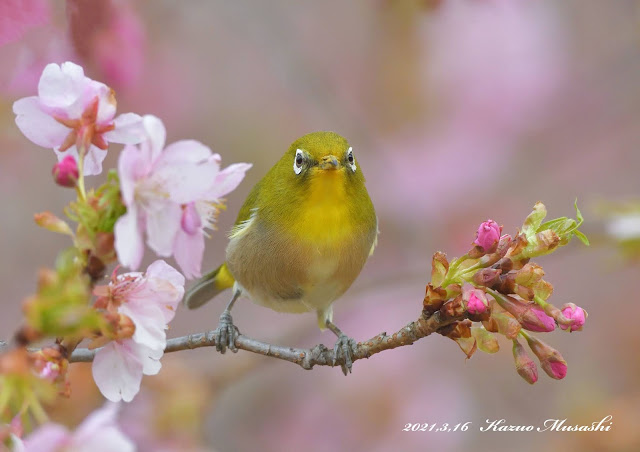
x,y
300,239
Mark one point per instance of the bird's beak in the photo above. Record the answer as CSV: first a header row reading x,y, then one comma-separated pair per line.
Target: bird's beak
x,y
329,162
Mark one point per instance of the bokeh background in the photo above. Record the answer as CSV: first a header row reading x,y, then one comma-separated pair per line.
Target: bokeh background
x,y
458,111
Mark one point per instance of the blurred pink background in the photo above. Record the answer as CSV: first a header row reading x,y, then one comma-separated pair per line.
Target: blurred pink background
x,y
458,111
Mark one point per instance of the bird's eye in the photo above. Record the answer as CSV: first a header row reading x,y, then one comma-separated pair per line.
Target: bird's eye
x,y
298,161
351,160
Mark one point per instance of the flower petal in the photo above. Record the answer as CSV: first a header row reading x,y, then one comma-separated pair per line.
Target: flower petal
x,y
149,321
151,364
188,251
48,438
117,370
163,221
164,288
106,101
130,168
107,439
16,444
188,151
99,432
62,86
92,161
155,136
128,129
161,270
186,181
128,239
37,125
228,180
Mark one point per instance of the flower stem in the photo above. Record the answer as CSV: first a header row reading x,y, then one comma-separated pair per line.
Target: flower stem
x,y
36,409
524,334
82,194
453,269
540,302
500,299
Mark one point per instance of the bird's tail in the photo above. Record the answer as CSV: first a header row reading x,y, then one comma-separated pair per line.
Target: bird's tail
x,y
208,287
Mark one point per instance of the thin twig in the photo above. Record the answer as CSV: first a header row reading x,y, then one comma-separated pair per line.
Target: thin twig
x,y
306,358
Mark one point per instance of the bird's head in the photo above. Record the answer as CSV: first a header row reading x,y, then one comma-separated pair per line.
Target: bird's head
x,y
317,171
321,155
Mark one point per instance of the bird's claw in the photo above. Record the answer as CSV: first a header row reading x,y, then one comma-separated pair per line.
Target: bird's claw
x,y
343,351
226,334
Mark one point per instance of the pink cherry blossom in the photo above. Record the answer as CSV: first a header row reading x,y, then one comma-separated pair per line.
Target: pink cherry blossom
x,y
575,313
172,194
99,432
488,235
150,301
200,215
65,172
72,111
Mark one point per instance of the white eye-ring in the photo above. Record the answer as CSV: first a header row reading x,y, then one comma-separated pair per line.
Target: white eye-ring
x,y
298,161
351,160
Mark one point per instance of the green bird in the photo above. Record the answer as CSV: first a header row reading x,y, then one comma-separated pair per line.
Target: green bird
x,y
300,240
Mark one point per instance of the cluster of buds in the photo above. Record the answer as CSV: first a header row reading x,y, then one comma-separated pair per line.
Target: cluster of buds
x,y
496,286
60,307
26,381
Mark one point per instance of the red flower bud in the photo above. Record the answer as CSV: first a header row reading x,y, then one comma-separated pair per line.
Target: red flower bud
x,y
65,173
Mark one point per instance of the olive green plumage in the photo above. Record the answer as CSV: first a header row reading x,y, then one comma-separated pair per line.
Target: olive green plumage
x,y
302,235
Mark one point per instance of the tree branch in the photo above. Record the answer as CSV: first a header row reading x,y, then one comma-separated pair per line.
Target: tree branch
x,y
306,358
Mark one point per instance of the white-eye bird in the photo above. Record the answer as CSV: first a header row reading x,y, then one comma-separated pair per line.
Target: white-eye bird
x,y
300,240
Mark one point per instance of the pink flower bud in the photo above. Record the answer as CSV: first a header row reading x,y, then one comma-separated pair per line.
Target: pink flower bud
x,y
535,319
551,360
488,235
190,222
531,316
475,300
525,366
65,173
475,305
575,313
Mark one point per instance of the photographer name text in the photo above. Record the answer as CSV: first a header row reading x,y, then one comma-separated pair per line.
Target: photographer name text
x,y
501,425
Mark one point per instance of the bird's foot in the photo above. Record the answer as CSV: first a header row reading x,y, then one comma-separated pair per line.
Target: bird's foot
x,y
226,333
343,352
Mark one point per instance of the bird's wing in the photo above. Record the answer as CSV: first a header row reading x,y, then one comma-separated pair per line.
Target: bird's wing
x,y
375,240
250,204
